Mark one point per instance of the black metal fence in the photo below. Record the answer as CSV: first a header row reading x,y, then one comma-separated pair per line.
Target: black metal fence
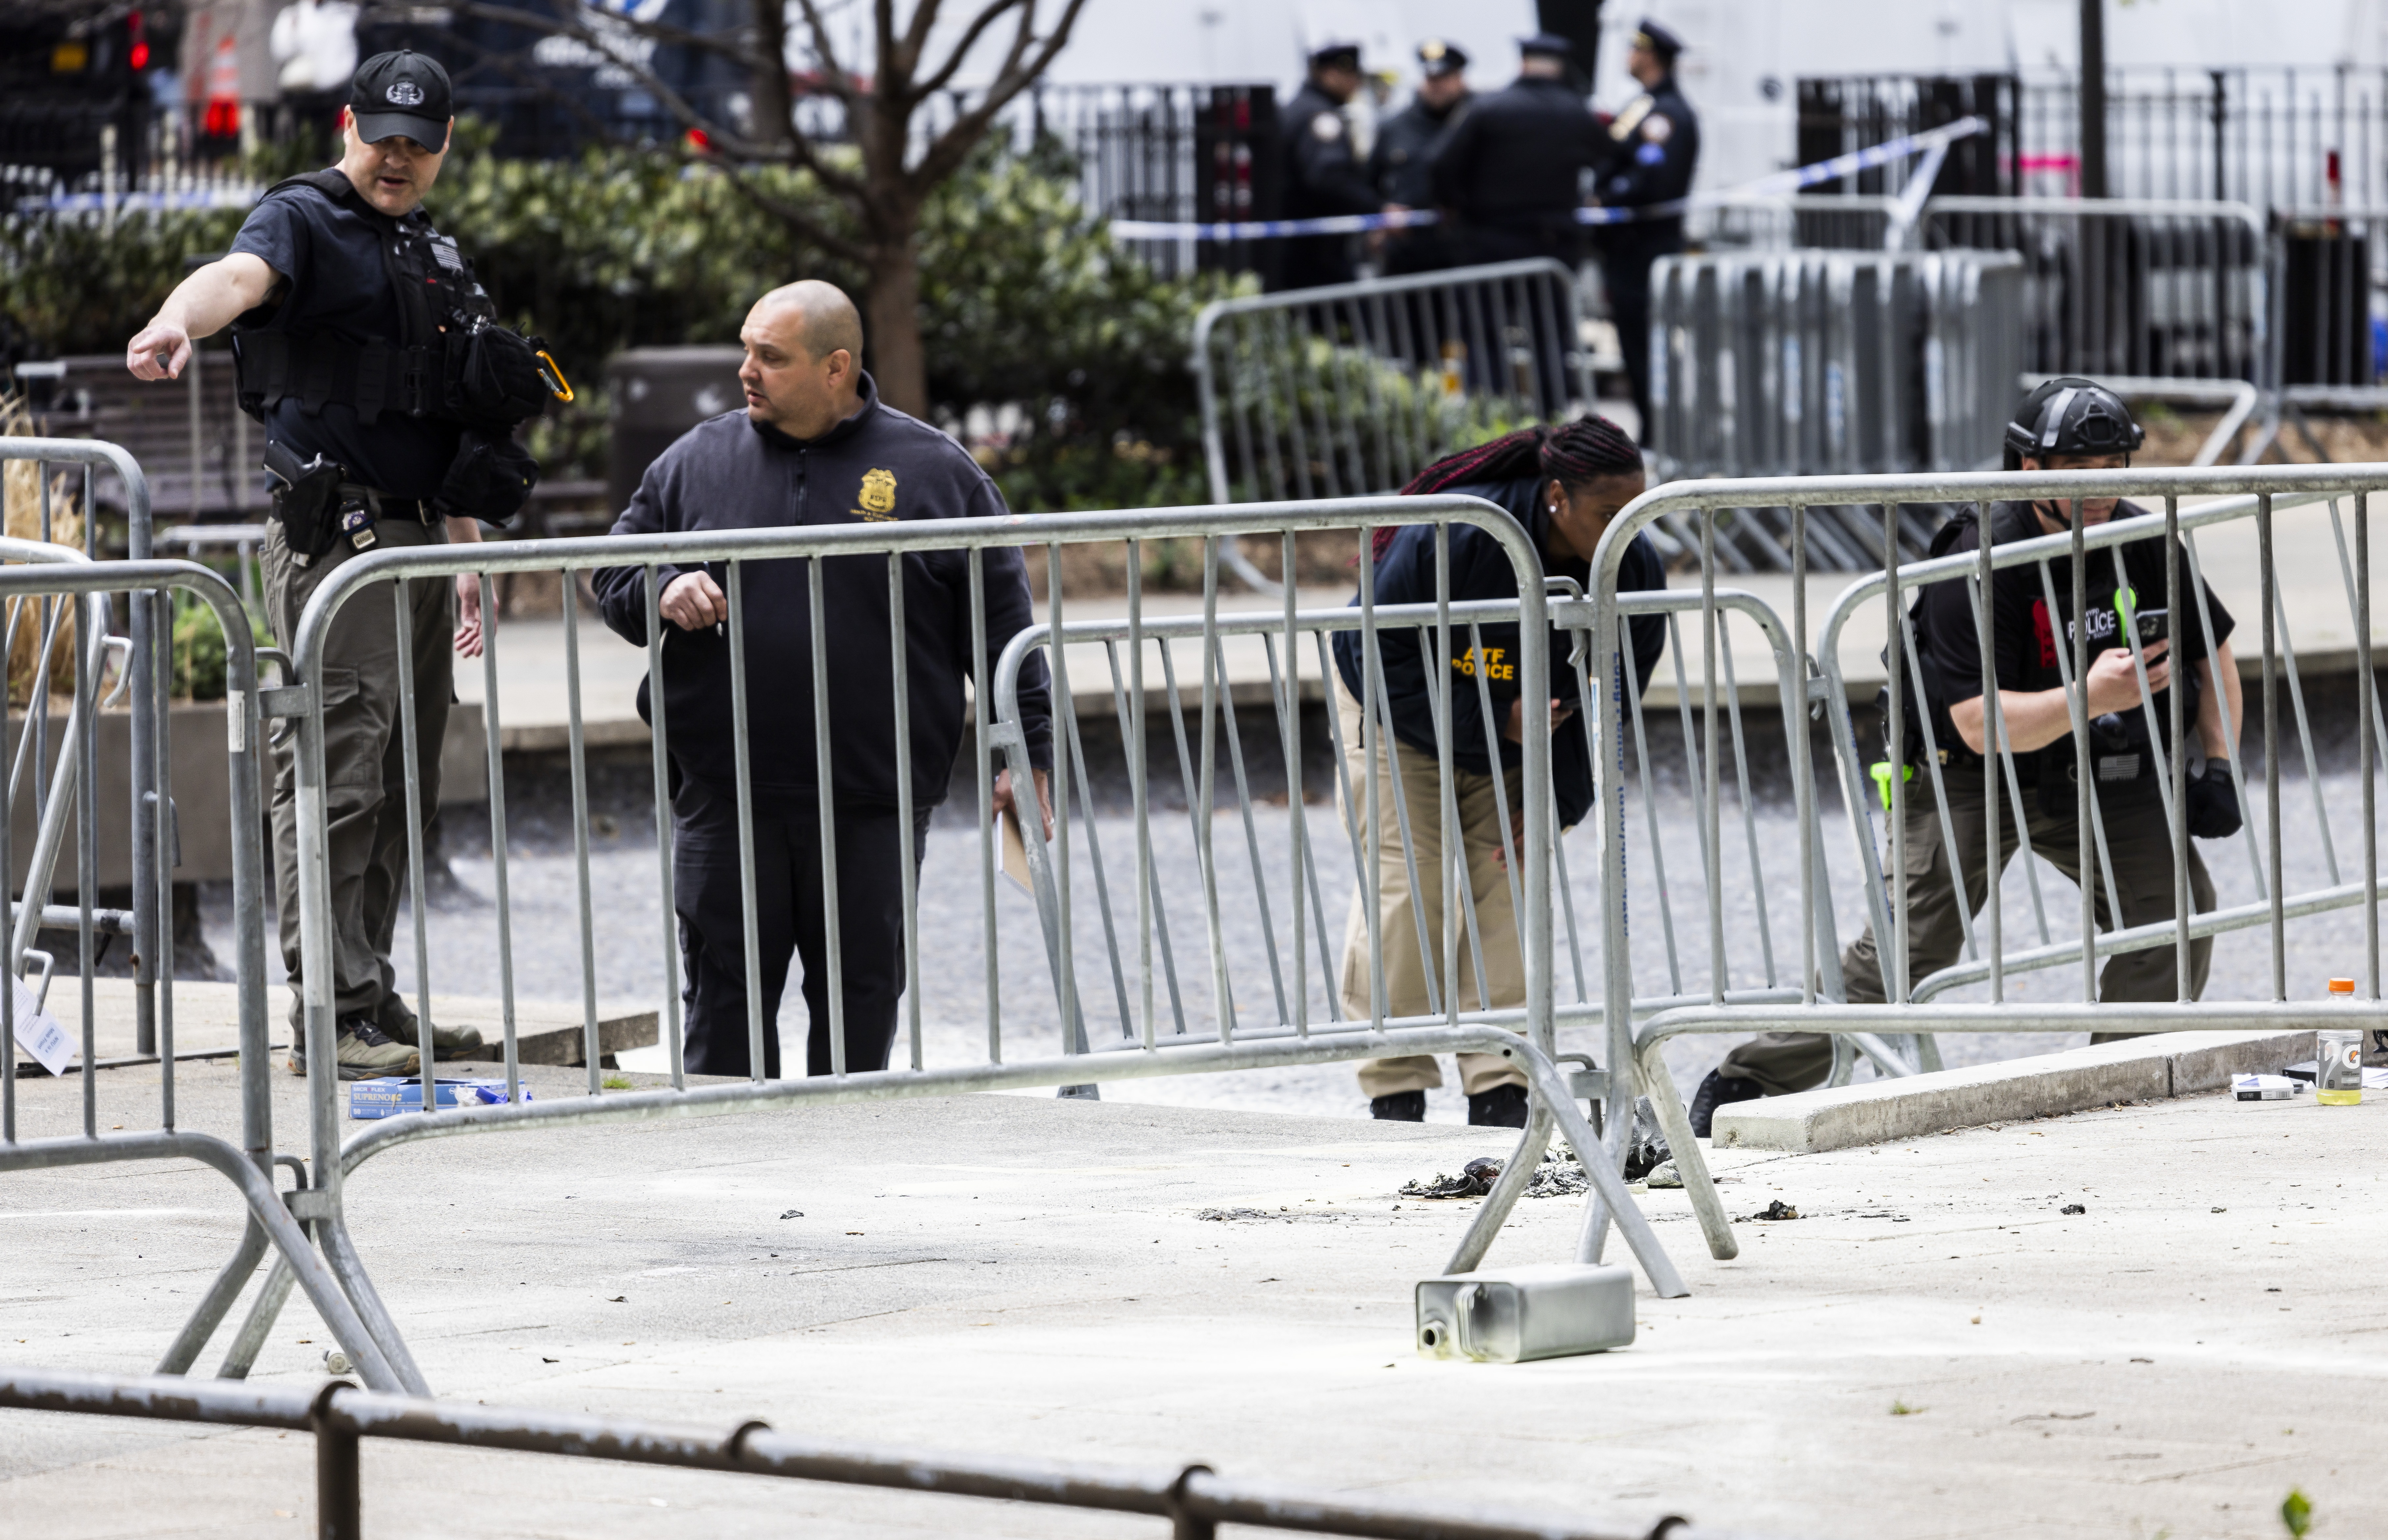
x,y
2273,137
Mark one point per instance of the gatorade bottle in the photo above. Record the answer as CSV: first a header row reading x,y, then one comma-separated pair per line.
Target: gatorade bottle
x,y
2338,1055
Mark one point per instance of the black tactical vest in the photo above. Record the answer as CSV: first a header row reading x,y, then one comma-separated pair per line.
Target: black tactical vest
x,y
451,358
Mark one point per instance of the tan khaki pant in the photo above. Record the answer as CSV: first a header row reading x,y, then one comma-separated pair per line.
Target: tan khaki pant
x,y
1399,909
364,789
2138,845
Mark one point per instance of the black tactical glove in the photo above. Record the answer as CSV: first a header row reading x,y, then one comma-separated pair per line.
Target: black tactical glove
x,y
2214,802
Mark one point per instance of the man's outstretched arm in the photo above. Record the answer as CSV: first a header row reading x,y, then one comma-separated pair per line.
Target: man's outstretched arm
x,y
201,305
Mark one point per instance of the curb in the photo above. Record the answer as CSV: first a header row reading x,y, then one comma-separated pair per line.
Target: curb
x,y
2161,1064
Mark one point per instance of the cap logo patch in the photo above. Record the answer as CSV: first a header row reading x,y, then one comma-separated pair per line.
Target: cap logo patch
x,y
404,94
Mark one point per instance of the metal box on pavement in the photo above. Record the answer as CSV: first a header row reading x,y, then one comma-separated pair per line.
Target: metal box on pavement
x,y
1521,1314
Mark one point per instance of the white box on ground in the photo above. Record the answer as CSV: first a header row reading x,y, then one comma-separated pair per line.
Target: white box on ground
x,y
1519,1313
39,1034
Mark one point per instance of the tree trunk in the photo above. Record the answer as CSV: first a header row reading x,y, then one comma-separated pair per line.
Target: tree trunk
x,y
892,325
769,123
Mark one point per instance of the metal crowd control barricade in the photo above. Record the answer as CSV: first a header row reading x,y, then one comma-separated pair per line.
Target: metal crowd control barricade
x,y
1165,974
1351,389
872,554
1816,361
1194,1500
2256,495
50,573
149,626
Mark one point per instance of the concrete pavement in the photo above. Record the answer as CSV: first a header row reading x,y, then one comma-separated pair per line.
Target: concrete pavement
x,y
1933,1349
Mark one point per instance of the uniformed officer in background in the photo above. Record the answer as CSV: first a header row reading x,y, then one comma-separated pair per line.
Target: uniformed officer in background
x,y
390,394
1323,176
1402,162
1652,146
1509,169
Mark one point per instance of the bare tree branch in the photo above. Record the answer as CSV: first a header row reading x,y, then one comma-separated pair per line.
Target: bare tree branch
x,y
954,61
824,53
948,149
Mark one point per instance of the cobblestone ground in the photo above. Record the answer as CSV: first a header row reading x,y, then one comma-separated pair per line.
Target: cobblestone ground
x,y
627,934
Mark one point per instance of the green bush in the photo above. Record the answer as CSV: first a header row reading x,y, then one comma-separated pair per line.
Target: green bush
x,y
200,648
1025,301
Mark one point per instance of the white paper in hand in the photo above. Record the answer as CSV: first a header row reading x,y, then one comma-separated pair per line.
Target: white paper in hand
x,y
41,1035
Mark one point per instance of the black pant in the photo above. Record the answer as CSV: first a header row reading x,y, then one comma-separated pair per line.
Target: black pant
x,y
788,918
1625,260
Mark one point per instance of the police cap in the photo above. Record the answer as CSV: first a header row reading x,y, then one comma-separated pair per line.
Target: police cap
x,y
1335,53
1655,37
1438,56
1545,45
404,93
2071,416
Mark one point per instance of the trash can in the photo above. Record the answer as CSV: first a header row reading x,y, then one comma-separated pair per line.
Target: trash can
x,y
659,394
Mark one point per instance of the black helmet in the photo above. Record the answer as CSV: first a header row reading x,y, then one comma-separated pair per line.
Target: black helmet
x,y
2071,416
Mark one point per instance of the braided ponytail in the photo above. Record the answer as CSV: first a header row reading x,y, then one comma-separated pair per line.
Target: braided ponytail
x,y
1577,452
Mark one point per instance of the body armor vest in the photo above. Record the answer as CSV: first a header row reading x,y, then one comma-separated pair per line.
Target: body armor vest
x,y
451,358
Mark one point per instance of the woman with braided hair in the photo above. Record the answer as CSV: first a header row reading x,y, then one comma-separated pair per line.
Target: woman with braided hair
x,y
1562,485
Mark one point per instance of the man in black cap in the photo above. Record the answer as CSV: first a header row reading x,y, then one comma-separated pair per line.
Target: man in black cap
x,y
364,345
1323,177
1508,170
1651,150
1402,163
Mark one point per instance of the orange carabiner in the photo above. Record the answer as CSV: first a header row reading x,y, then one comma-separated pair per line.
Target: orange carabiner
x,y
551,374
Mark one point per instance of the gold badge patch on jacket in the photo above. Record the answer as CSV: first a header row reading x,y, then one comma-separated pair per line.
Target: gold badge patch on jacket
x,y
877,497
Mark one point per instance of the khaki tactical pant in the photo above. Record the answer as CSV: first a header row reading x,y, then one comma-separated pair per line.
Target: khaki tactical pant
x,y
2138,844
364,772
1398,910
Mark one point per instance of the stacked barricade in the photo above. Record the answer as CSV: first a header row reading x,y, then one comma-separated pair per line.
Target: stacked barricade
x,y
1818,362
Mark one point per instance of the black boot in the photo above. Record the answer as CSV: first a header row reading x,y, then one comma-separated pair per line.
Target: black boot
x,y
1718,1090
1501,1107
1400,1107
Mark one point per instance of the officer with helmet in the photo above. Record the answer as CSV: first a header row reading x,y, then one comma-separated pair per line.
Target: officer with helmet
x,y
389,397
2066,424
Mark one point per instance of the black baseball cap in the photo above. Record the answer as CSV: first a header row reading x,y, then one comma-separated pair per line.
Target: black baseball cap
x,y
401,92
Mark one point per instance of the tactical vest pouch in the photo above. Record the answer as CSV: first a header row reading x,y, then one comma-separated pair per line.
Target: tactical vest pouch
x,y
493,375
2120,762
491,479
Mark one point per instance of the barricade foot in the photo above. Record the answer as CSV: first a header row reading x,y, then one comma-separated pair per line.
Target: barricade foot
x,y
263,1313
192,1340
1685,1150
1506,1190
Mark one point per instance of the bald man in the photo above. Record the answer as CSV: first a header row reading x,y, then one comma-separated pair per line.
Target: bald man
x,y
814,445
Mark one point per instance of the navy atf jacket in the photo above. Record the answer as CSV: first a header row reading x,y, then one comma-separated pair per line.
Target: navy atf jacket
x,y
878,466
1481,570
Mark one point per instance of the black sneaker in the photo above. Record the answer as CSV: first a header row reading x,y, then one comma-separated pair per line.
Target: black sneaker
x,y
1718,1090
1501,1107
1400,1107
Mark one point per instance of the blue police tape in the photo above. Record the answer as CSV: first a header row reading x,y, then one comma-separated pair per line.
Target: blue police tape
x,y
1353,225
